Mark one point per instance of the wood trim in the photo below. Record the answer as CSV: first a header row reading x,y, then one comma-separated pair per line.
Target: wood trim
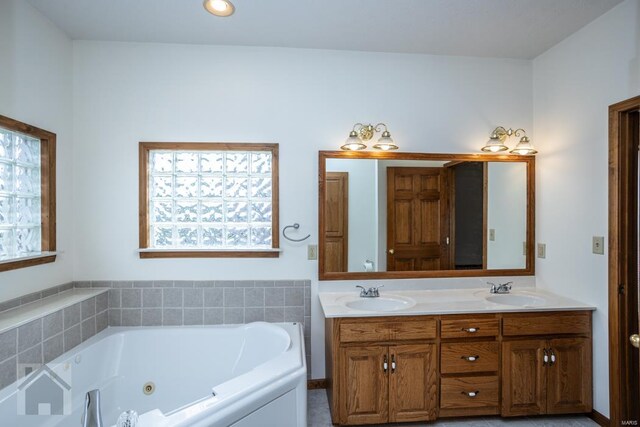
x,y
143,197
529,270
618,179
317,384
48,192
485,214
599,418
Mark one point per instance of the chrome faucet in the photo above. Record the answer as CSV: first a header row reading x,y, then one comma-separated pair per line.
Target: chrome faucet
x,y
92,416
504,288
372,292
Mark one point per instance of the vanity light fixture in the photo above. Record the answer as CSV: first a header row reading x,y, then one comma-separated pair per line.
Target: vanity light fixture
x,y
499,136
362,133
219,7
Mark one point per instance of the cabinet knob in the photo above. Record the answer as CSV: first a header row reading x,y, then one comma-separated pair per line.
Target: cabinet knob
x,y
553,357
545,357
385,364
470,358
471,393
391,251
635,340
471,330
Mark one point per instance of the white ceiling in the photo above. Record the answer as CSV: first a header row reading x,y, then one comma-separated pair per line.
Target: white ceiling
x,y
490,28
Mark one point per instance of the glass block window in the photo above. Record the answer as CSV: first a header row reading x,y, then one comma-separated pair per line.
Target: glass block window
x,y
27,194
210,198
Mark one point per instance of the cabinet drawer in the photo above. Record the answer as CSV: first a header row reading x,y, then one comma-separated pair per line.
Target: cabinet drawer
x,y
469,392
459,358
478,326
361,332
413,330
546,323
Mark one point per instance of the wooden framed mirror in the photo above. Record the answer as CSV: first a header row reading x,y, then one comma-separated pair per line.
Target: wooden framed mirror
x,y
386,215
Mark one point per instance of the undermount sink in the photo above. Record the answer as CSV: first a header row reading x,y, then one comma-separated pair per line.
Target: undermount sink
x,y
518,300
389,303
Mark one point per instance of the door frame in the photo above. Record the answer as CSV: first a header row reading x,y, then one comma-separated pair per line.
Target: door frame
x,y
620,170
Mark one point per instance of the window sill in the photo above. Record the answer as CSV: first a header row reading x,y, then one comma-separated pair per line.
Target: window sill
x,y
200,253
28,261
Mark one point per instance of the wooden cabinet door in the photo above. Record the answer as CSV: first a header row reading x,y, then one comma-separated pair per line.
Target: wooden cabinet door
x,y
569,376
523,378
413,387
336,222
364,385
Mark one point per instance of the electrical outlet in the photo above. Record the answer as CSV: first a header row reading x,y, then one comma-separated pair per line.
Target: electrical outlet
x,y
598,245
312,252
492,234
542,250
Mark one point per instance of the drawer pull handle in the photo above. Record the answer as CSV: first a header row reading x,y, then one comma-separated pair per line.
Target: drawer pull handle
x,y
471,393
471,330
470,358
385,364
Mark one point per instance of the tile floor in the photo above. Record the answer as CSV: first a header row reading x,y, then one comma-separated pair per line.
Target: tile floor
x,y
318,416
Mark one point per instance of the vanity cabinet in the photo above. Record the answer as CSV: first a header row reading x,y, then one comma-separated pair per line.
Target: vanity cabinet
x,y
418,368
550,374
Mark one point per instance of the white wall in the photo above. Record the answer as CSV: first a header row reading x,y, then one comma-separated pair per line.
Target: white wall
x,y
507,214
35,87
362,210
574,83
306,100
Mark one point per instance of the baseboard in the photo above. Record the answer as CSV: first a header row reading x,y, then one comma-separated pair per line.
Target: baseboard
x,y
316,384
599,418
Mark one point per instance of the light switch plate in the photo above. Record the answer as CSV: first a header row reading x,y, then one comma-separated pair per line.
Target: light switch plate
x,y
598,245
542,250
492,234
312,252
524,248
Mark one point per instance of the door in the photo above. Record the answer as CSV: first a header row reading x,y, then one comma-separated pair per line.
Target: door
x,y
413,383
523,378
569,376
365,383
336,225
417,219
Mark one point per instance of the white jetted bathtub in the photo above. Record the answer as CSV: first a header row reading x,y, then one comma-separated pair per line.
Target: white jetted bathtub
x,y
241,376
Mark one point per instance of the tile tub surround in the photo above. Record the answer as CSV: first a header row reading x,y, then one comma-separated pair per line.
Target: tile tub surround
x,y
177,303
47,337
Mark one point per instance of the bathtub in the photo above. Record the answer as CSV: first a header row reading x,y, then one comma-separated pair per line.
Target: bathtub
x,y
241,376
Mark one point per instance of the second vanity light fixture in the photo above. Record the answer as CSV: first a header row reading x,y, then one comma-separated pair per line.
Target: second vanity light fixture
x,y
499,136
362,133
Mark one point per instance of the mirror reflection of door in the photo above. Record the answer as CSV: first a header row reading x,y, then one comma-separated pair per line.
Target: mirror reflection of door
x,y
336,225
417,219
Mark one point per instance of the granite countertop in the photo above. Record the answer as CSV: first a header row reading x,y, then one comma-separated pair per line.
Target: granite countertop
x,y
450,301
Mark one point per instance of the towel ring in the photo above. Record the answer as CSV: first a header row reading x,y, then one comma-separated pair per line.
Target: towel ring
x,y
295,227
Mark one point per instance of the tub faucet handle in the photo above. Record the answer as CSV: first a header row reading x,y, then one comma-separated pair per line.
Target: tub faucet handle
x,y
128,419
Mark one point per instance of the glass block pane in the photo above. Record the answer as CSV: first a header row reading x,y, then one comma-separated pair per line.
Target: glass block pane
x,y
212,236
187,211
237,212
186,186
261,212
210,186
27,150
188,236
236,187
161,162
211,212
162,211
162,186
27,180
261,187
260,162
6,144
211,162
237,236
5,210
237,163
6,244
28,240
261,236
186,162
6,177
162,236
27,211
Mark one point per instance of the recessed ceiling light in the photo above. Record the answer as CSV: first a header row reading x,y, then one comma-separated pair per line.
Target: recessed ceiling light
x,y
219,7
